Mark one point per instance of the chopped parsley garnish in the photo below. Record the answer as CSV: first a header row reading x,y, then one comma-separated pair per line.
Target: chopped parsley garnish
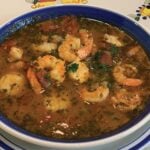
x,y
73,67
114,50
104,67
97,56
97,66
47,76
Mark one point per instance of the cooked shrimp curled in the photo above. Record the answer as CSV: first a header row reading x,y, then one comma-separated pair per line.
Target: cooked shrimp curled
x,y
98,95
121,78
124,100
56,71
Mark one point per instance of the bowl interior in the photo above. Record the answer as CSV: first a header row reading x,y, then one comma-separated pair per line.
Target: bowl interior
x,y
103,15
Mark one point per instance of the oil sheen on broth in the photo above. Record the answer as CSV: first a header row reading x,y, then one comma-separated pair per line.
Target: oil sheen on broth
x,y
72,78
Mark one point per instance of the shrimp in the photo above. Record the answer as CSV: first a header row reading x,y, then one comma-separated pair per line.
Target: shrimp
x,y
15,54
12,84
121,78
139,55
133,51
87,40
113,40
45,47
81,73
68,47
126,101
98,95
55,65
71,49
36,86
56,71
56,102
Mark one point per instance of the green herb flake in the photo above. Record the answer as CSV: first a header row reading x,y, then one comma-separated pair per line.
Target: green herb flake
x,y
114,50
47,76
104,67
97,55
110,85
73,67
33,58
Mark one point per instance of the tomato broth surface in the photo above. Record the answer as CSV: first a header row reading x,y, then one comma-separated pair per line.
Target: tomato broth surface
x,y
72,78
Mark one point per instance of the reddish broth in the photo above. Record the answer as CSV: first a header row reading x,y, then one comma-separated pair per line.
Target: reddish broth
x,y
73,117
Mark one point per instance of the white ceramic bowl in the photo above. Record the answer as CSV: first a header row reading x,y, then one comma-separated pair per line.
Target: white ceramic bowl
x,y
104,15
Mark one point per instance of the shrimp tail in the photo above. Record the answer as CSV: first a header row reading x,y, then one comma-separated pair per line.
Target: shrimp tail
x,y
86,50
122,79
132,82
36,86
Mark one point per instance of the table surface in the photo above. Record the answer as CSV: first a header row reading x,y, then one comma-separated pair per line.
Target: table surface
x,y
139,10
136,9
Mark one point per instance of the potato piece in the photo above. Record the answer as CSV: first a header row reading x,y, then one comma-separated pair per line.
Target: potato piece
x,y
15,54
45,47
12,84
57,102
113,40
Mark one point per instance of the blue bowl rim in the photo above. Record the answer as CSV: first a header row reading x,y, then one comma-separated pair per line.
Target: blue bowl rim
x,y
113,13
